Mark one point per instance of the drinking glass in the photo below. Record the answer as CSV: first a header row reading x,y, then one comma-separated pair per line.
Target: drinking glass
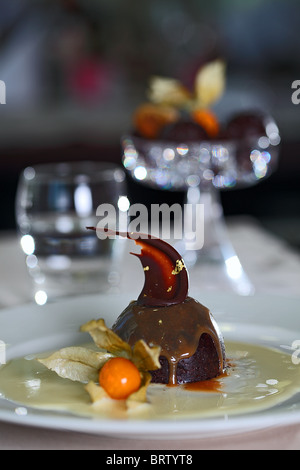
x,y
54,205
203,169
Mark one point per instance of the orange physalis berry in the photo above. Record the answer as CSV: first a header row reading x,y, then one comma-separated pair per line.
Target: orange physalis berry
x,y
207,119
149,119
120,378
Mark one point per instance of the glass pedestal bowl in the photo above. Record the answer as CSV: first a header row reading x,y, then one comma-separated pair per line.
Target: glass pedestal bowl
x,y
202,170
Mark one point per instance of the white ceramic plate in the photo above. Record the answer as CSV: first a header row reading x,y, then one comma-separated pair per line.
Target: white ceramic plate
x,y
272,321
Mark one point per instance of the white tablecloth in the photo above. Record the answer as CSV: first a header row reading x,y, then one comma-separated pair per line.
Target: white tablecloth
x,y
272,266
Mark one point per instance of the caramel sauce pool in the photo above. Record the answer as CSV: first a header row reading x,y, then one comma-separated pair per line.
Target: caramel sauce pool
x,y
212,385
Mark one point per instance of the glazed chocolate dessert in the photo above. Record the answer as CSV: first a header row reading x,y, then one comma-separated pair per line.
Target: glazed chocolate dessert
x,y
192,347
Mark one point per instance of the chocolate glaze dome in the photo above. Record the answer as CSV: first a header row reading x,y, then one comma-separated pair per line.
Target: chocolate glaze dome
x,y
192,347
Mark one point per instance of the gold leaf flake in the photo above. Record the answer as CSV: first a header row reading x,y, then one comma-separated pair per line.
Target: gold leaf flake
x,y
178,267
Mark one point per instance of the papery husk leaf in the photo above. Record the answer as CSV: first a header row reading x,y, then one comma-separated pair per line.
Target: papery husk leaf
x,y
106,339
87,356
102,402
71,370
146,357
168,91
76,363
96,392
210,83
140,396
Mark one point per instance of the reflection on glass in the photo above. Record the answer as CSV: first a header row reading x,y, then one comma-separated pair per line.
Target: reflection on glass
x,y
83,200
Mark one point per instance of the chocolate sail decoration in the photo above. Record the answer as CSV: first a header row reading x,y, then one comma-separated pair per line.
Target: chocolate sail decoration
x,y
166,277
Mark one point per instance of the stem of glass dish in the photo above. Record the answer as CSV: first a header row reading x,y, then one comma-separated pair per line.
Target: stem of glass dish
x,y
215,261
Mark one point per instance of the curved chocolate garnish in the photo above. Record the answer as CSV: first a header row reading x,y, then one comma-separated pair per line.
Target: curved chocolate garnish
x,y
166,277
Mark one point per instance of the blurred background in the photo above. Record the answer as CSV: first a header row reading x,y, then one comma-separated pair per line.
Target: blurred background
x,y
76,69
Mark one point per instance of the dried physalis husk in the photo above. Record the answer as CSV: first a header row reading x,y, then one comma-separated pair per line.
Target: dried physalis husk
x,y
141,395
210,83
76,363
106,339
144,357
82,364
209,86
168,91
